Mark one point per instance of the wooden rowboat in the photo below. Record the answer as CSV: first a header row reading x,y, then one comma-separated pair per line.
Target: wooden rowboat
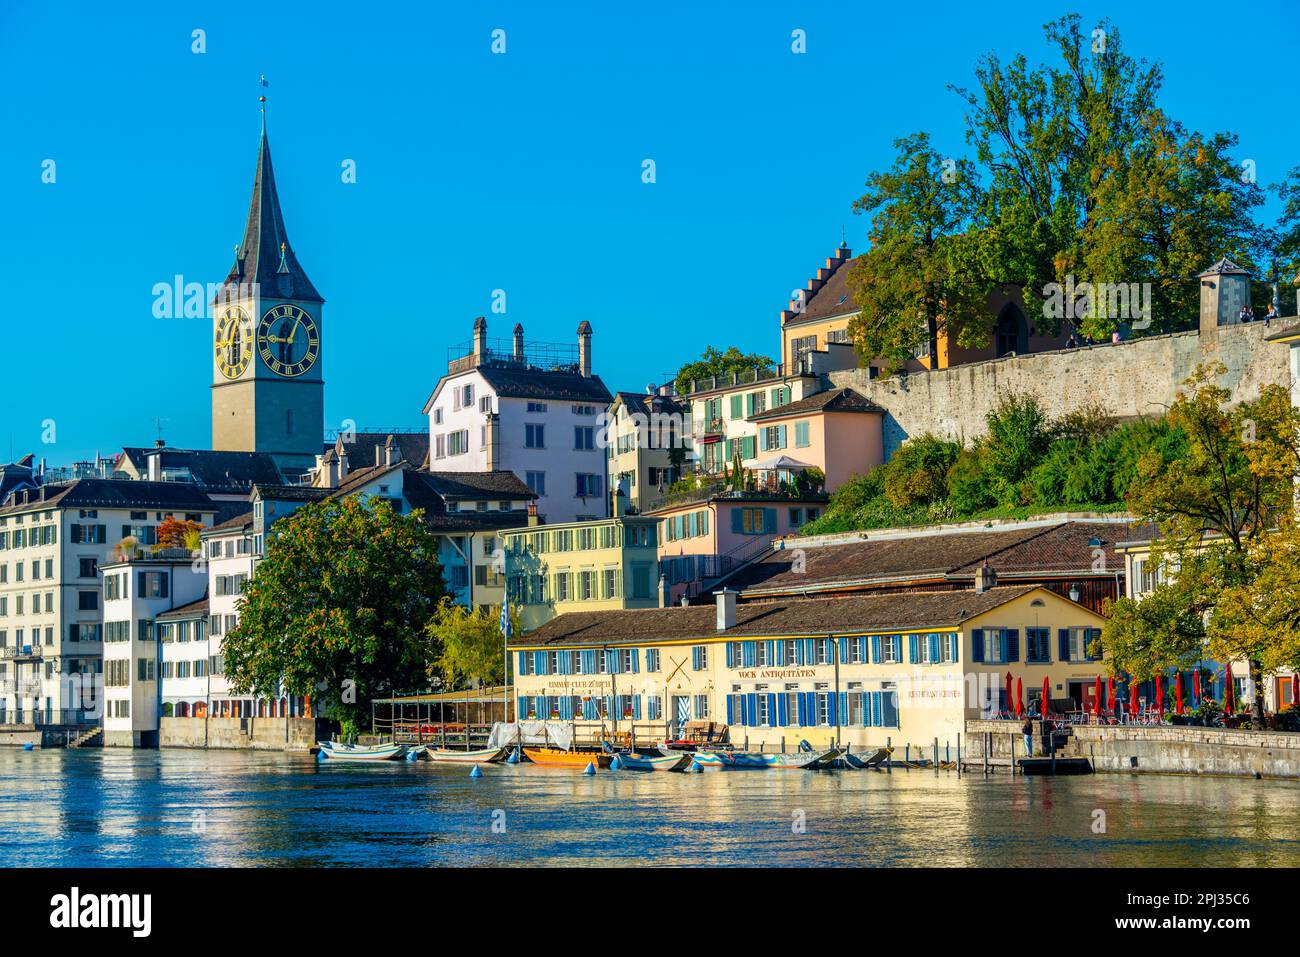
x,y
481,756
671,762
554,757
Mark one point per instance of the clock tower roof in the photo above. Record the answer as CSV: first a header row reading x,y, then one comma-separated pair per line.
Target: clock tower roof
x,y
266,256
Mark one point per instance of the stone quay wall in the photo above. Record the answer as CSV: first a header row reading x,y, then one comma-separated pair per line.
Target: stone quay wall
x,y
257,734
1162,749
1131,379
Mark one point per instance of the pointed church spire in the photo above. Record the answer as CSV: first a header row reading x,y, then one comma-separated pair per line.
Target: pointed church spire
x,y
265,256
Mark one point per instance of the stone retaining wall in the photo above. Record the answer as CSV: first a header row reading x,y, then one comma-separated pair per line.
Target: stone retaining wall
x,y
1138,378
259,734
1161,748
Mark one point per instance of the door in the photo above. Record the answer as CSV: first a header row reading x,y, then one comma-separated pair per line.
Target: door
x,y
681,714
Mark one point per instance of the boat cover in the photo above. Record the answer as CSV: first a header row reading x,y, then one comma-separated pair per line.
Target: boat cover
x,y
556,734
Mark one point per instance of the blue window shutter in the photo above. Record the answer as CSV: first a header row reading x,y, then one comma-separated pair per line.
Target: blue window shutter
x,y
772,715
810,707
878,709
523,708
809,651
889,709
1063,643
843,711
913,653
935,654
844,651
731,655
753,709
798,710
731,709
782,710
1013,644
778,652
523,668
831,713
875,649
977,644
636,657
737,526
747,653
636,707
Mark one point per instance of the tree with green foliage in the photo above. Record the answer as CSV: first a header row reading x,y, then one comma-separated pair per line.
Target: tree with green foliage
x,y
338,607
920,278
1076,174
468,643
715,363
1215,507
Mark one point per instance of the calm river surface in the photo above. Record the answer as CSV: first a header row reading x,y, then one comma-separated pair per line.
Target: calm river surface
x,y
108,807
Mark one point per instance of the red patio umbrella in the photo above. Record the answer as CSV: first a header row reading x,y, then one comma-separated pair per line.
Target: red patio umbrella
x,y
1132,698
1229,692
1045,705
1010,705
1178,692
1110,694
1196,685
1160,695
1295,691
1096,698
1020,699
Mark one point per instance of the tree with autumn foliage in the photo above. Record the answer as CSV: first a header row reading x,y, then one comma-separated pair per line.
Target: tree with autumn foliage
x,y
178,533
1225,517
339,608
468,643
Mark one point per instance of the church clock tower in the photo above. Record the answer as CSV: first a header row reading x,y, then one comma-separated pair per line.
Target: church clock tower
x,y
267,389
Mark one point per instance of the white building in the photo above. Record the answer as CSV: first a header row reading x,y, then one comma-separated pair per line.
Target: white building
x,y
535,410
52,542
137,589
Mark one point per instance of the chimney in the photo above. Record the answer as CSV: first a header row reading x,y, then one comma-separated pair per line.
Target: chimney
x,y
985,578
391,454
519,342
492,440
154,469
584,349
480,339
726,609
663,592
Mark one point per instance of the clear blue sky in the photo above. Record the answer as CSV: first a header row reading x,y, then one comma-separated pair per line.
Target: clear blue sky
x,y
478,172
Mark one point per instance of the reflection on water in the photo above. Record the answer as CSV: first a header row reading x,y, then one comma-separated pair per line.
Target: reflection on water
x,y
193,808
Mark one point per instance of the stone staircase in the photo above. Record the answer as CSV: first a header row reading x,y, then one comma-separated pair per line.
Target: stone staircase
x,y
95,736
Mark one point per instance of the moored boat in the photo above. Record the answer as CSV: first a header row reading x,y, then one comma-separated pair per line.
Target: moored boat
x,y
670,762
480,756
805,760
554,757
732,760
859,762
355,752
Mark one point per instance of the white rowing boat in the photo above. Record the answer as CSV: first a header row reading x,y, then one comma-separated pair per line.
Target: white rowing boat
x,y
481,756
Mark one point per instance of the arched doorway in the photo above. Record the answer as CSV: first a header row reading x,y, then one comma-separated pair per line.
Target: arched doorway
x,y
1011,333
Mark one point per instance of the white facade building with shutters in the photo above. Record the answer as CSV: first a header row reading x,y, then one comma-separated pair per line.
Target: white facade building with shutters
x,y
536,411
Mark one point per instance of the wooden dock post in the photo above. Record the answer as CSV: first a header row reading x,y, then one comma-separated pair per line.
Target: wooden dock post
x,y
889,754
958,754
986,744
935,755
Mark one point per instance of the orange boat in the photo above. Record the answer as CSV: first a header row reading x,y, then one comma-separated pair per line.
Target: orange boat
x,y
554,757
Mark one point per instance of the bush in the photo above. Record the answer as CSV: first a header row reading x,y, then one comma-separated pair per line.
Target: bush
x,y
917,474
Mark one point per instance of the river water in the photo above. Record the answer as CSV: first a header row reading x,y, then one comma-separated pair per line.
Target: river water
x,y
109,807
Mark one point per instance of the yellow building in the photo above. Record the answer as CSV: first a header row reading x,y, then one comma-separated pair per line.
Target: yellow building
x,y
601,565
866,670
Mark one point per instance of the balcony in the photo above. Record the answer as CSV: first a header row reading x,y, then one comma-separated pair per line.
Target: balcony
x,y
21,652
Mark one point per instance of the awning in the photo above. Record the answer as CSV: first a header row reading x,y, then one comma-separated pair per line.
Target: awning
x,y
780,463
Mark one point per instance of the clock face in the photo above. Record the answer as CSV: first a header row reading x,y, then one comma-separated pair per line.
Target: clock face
x,y
233,343
288,340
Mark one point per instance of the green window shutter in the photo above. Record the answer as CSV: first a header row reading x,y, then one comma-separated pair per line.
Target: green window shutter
x,y
736,406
